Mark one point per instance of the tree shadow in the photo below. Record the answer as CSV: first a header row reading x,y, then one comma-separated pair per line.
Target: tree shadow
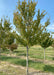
x,y
53,58
22,54
5,58
17,60
17,51
13,60
49,68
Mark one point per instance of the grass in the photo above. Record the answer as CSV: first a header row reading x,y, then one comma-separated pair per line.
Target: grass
x,y
9,70
36,52
1,73
36,65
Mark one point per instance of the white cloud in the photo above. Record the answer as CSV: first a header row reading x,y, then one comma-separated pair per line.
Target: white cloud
x,y
50,27
52,35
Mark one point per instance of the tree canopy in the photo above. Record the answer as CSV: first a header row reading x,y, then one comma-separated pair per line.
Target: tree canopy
x,y
5,29
28,28
46,40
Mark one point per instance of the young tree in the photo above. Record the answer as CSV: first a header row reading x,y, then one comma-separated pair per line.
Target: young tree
x,y
1,32
4,31
53,39
28,28
45,41
53,43
10,39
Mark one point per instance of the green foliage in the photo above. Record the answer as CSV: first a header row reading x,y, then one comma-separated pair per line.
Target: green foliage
x,y
45,40
28,28
7,25
6,36
53,43
4,32
4,48
10,38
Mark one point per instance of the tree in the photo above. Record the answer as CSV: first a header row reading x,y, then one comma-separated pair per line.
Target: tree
x,y
45,41
53,43
28,28
5,29
10,39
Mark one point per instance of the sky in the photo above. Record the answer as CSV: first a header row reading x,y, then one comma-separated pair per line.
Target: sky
x,y
7,8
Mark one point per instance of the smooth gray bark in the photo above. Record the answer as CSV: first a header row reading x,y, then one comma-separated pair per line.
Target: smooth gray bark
x,y
44,54
27,62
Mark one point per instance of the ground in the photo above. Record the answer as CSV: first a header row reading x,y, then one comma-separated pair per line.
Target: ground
x,y
14,63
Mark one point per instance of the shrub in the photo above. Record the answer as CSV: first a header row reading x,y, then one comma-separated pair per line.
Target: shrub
x,y
13,46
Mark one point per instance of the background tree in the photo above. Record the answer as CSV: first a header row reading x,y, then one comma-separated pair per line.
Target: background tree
x,y
28,28
11,41
10,38
53,43
53,39
5,29
45,41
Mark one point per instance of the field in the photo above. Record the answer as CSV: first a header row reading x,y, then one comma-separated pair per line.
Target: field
x,y
14,63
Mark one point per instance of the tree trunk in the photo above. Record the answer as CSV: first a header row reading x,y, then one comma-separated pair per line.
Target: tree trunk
x,y
44,54
27,62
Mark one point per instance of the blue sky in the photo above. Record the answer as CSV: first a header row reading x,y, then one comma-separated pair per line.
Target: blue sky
x,y
7,8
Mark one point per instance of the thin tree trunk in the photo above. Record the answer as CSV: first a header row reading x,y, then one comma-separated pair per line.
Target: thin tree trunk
x,y
27,62
44,54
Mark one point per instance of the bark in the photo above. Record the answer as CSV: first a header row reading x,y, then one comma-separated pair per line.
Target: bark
x,y
44,54
27,62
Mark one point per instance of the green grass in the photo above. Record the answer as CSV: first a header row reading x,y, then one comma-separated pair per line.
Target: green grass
x,y
1,73
36,52
36,65
9,70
